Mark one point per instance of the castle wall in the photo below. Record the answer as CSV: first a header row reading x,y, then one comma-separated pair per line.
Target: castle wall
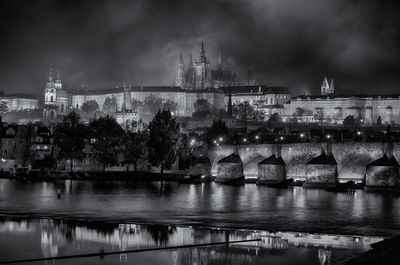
x,y
185,100
367,108
15,103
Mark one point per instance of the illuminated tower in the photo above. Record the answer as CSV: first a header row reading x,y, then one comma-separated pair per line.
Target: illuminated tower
x,y
201,69
50,93
180,73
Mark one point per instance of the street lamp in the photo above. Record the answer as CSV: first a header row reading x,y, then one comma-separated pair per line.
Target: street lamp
x,y
221,139
282,138
245,140
215,141
257,137
302,135
359,133
328,136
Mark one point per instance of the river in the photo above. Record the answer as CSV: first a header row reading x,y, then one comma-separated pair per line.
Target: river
x,y
212,205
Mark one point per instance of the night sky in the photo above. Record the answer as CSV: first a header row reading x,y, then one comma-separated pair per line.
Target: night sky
x,y
292,43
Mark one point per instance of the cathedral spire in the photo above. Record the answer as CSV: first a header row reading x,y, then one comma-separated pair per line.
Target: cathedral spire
x,y
191,60
51,75
58,75
180,73
219,58
202,53
180,58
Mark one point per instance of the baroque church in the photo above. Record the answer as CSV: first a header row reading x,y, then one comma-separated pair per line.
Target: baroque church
x,y
198,75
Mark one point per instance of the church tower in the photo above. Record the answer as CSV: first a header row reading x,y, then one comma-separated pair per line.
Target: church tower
x,y
50,93
180,73
202,72
332,87
127,100
325,87
56,99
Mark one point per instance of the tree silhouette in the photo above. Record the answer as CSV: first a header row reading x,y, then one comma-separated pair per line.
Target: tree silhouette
x,y
3,107
110,105
107,136
170,105
70,138
135,146
379,120
218,129
152,104
90,106
274,121
163,139
202,108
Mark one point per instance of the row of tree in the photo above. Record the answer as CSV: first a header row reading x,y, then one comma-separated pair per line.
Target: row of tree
x,y
108,142
150,105
243,111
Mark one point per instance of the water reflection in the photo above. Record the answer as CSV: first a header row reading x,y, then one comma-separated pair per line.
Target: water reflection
x,y
61,237
206,204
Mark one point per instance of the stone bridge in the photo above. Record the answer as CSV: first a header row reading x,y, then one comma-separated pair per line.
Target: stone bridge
x,y
352,157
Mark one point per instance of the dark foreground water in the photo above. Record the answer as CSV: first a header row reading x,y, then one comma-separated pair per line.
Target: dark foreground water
x,y
250,206
47,238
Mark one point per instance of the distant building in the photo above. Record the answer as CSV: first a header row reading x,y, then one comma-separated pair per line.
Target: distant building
x,y
18,102
198,75
327,88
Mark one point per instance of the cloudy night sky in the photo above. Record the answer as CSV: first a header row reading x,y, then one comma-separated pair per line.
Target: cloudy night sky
x,y
292,43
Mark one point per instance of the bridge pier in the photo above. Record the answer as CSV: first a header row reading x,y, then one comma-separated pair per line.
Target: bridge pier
x,y
321,171
272,170
383,173
230,170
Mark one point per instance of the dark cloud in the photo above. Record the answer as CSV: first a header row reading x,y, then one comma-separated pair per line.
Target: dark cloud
x,y
283,42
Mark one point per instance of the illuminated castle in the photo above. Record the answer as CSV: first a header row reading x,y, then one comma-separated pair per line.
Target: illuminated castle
x,y
198,75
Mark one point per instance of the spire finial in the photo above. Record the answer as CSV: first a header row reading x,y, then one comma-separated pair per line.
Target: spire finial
x,y
51,74
180,58
202,52
58,75
219,58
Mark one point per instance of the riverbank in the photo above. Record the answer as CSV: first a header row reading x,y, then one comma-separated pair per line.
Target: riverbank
x,y
98,175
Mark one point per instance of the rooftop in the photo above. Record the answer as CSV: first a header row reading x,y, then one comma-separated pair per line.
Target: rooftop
x,y
232,158
323,159
272,160
384,161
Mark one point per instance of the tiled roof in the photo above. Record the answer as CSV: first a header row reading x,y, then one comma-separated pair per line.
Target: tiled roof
x,y
384,161
232,158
